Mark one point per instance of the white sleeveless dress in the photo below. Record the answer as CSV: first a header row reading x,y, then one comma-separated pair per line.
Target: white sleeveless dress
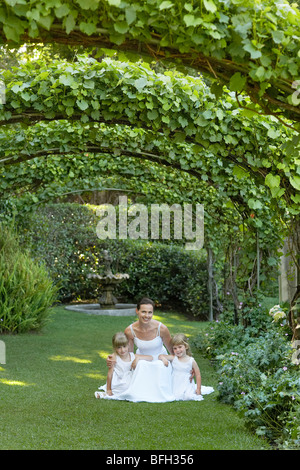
x,y
151,380
121,378
183,389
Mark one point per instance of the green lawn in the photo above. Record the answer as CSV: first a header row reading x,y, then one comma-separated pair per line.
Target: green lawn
x,y
47,395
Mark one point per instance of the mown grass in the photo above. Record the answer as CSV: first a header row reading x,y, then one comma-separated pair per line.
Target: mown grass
x,y
47,395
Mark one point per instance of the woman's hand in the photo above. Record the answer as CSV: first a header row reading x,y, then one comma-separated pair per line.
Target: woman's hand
x,y
110,361
163,359
134,363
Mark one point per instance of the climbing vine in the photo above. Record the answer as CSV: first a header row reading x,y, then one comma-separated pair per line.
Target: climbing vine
x,y
248,45
180,108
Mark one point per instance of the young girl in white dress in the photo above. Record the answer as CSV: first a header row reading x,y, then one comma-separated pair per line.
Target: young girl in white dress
x,y
182,364
120,373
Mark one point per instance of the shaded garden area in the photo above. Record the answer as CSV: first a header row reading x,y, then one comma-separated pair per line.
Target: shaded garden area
x,y
166,103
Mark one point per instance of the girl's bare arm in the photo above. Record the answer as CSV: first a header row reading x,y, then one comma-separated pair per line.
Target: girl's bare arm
x,y
198,377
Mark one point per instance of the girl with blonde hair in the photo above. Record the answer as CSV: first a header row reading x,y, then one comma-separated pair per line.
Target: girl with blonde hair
x,y
182,364
120,373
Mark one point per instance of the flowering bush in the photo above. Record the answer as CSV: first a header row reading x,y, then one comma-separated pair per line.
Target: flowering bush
x,y
256,373
277,313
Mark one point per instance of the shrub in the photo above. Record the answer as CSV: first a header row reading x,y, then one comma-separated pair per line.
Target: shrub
x,y
26,290
256,373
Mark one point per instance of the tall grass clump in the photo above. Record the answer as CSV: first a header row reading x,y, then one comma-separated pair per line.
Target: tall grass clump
x,y
26,290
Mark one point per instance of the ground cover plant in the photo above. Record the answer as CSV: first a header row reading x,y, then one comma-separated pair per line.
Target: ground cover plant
x,y
258,372
47,395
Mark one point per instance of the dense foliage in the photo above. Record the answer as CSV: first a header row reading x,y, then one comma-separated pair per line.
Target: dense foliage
x,y
181,108
258,371
250,45
26,290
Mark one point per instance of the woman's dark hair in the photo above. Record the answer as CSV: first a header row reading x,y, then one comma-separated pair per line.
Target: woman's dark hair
x,y
145,301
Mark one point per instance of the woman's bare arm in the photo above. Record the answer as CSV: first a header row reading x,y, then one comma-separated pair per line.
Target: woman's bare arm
x,y
166,337
129,336
165,358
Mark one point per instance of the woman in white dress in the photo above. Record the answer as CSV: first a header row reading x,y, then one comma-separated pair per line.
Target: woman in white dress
x,y
151,381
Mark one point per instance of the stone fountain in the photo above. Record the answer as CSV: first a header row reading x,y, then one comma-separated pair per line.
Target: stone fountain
x,y
108,304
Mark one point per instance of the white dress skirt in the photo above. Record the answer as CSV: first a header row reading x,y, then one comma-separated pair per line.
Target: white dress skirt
x,y
183,388
151,380
121,378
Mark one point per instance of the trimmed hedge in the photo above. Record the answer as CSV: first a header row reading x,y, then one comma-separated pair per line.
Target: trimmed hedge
x,y
64,237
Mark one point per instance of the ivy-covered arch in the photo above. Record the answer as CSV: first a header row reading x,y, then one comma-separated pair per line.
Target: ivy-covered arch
x,y
180,108
152,182
93,140
249,45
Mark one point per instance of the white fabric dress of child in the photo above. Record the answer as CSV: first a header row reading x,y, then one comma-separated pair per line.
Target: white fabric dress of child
x,y
183,388
151,381
121,378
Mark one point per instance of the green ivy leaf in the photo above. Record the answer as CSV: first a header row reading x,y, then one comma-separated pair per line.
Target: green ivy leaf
x,y
272,181
130,14
46,21
113,3
190,20
240,172
210,5
273,133
11,33
140,83
278,36
152,114
90,4
121,27
254,53
87,28
254,204
295,182
237,82
117,38
62,11
66,80
70,23
166,4
82,104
